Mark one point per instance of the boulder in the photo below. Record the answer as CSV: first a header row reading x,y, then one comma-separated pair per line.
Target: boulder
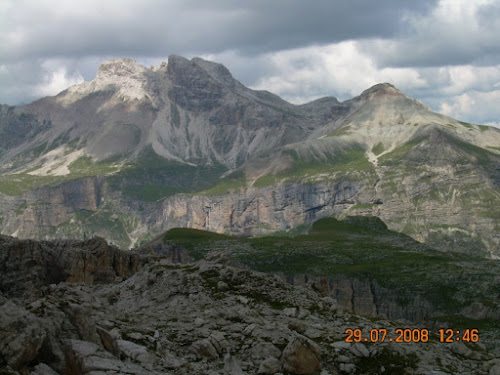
x,y
301,356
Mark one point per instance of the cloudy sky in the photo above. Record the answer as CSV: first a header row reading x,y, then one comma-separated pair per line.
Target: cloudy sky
x,y
444,52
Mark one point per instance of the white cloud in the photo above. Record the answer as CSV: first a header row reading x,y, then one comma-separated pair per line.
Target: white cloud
x,y
455,32
474,106
445,53
29,80
339,69
56,81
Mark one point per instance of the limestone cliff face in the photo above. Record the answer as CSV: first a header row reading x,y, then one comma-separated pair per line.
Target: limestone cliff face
x,y
26,266
242,211
40,210
368,297
258,211
408,204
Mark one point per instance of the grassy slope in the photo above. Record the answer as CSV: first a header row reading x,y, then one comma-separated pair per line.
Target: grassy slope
x,y
306,165
363,248
21,183
148,178
467,188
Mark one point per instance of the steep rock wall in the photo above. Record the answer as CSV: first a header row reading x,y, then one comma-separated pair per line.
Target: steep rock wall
x,y
258,211
47,207
445,222
26,265
367,297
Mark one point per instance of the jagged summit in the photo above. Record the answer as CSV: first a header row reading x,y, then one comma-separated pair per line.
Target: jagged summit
x,y
181,70
216,70
125,77
123,67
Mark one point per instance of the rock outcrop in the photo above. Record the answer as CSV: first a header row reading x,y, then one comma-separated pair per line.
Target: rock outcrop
x,y
27,267
198,318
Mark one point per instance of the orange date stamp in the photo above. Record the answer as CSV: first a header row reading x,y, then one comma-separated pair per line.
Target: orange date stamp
x,y
406,335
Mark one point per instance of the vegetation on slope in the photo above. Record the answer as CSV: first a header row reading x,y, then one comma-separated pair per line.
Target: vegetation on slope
x,y
151,177
363,248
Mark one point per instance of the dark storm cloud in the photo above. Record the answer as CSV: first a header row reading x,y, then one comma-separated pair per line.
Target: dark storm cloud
x,y
35,29
444,52
456,32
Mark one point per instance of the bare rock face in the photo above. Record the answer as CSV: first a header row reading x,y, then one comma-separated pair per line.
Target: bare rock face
x,y
301,356
22,347
258,211
26,266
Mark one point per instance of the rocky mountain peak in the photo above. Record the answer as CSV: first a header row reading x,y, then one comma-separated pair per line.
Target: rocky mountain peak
x,y
124,76
122,67
384,103
177,64
381,89
182,70
216,71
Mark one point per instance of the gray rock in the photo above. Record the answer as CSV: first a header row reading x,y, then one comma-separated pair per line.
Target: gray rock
x,y
175,319
135,352
19,346
263,350
198,322
348,368
222,286
98,363
461,349
269,366
232,366
43,369
108,339
313,333
171,362
83,348
359,350
341,345
204,349
343,359
290,311
243,300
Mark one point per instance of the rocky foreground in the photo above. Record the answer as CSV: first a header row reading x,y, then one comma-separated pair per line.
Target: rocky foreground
x,y
90,308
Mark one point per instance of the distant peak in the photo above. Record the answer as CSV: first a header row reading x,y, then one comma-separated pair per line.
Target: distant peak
x,y
175,62
216,70
179,66
119,67
381,89
176,59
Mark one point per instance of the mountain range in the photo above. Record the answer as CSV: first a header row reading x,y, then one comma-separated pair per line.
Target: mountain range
x,y
139,150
